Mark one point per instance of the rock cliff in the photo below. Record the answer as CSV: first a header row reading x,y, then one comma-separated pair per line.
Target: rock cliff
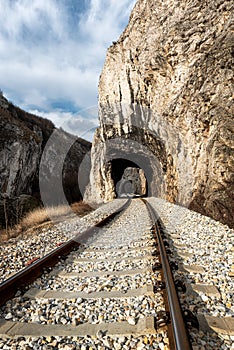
x,y
165,105
23,138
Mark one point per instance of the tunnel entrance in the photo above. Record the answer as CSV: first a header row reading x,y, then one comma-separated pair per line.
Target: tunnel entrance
x,y
129,179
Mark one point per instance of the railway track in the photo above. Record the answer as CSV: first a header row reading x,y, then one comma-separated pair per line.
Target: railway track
x,y
109,288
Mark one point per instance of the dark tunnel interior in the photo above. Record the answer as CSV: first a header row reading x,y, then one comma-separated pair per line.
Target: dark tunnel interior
x,y
118,167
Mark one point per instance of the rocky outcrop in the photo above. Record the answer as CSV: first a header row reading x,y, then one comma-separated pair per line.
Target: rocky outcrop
x,y
12,209
133,182
23,140
165,105
20,150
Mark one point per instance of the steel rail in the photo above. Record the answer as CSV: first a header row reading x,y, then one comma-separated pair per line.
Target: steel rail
x,y
10,286
180,334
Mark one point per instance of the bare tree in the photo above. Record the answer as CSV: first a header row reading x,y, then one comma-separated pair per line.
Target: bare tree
x,y
5,197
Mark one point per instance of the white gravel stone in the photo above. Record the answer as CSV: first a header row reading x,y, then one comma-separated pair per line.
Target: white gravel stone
x,y
211,245
131,320
8,316
204,297
182,227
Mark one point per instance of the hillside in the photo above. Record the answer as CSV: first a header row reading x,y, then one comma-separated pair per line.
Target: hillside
x,y
23,138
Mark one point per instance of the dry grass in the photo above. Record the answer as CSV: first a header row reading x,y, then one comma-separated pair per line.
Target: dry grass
x,y
38,216
81,208
43,215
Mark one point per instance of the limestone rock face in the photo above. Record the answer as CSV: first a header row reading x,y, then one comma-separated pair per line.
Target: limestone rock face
x,y
23,139
20,150
165,104
12,209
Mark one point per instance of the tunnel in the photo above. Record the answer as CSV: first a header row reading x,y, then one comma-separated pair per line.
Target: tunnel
x,y
128,178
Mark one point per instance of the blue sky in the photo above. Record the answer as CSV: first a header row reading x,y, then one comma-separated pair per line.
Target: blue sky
x,y
52,53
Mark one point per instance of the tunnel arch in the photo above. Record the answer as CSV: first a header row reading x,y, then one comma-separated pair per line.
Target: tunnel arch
x,y
102,188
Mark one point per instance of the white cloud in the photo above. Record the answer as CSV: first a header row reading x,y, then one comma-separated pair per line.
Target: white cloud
x,y
74,123
106,16
23,15
48,55
43,82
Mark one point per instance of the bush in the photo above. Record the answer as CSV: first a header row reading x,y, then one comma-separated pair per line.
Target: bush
x,y
81,208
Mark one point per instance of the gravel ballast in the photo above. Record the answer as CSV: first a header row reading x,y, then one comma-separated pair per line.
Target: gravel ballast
x,y
194,239
210,246
17,252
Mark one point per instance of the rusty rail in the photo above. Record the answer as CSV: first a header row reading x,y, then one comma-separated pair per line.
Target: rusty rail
x,y
180,335
10,286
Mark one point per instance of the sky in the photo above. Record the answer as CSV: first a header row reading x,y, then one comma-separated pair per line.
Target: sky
x,y
52,53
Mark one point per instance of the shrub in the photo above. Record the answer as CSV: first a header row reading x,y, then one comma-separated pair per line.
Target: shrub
x,y
81,208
